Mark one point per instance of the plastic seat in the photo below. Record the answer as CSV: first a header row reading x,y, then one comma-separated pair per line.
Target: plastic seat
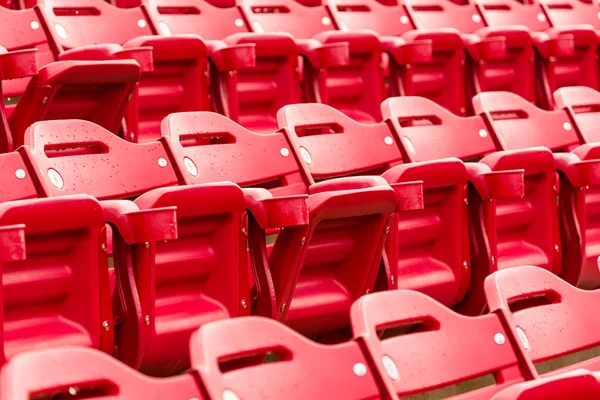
x,y
567,55
512,221
303,370
545,316
450,347
583,106
509,117
167,285
175,79
89,90
58,294
75,371
318,265
426,250
498,58
570,13
250,96
355,88
21,30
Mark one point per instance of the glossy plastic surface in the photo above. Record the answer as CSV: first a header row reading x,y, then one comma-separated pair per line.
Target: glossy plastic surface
x,y
341,370
315,271
80,371
428,248
452,348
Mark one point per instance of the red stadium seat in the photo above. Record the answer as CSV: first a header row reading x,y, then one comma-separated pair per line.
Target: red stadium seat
x,y
499,58
427,250
572,12
510,224
517,124
175,81
545,316
567,55
59,294
166,288
80,372
315,269
439,347
250,96
356,88
583,106
304,370
420,64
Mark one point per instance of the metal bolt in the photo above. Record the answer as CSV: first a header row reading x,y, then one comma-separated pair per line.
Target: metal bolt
x,y
303,241
556,248
73,390
393,279
44,100
206,73
244,231
147,320
104,247
465,265
244,304
105,325
359,369
499,339
387,229
132,136
283,307
554,188
146,245
493,260
20,174
466,201
368,291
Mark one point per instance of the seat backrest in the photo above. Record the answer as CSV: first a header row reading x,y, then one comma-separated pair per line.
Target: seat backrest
x,y
22,30
574,12
76,23
67,300
273,83
173,17
513,12
17,179
74,156
303,370
583,106
448,348
333,145
434,14
427,131
370,14
518,124
286,16
96,91
76,371
547,317
209,147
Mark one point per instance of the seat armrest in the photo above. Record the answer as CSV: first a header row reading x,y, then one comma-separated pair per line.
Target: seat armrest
x,y
18,64
552,47
403,52
140,226
276,212
490,48
409,195
496,184
321,55
231,57
579,173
